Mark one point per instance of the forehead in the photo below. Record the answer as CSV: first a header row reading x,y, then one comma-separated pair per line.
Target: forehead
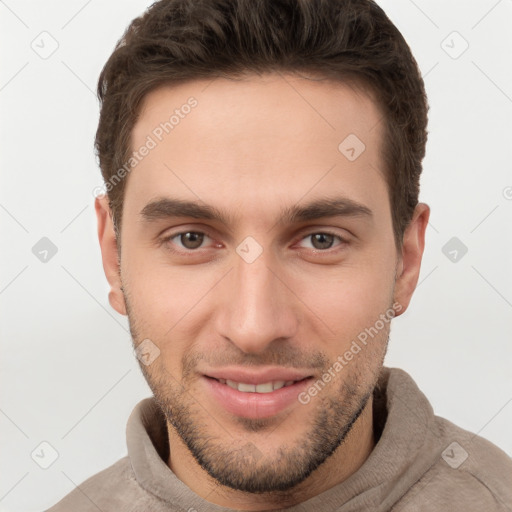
x,y
257,139
323,105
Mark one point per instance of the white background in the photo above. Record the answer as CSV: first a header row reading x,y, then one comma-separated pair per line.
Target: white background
x,y
68,373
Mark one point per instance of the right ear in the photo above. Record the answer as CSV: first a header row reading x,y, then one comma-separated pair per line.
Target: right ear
x,y
109,253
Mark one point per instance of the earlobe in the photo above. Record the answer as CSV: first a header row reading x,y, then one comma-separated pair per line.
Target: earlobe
x,y
109,253
409,263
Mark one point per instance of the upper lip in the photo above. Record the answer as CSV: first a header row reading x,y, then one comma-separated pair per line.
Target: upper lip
x,y
259,376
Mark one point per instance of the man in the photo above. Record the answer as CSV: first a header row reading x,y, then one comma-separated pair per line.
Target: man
x,y
261,229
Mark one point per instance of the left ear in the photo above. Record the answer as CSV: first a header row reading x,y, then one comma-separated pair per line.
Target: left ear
x,y
409,262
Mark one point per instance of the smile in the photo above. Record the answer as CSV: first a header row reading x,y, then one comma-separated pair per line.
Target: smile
x,y
255,394
267,387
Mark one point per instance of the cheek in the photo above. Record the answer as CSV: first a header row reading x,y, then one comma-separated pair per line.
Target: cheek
x,y
349,298
165,302
159,289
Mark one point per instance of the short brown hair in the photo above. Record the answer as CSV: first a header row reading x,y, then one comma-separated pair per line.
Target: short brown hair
x,y
181,40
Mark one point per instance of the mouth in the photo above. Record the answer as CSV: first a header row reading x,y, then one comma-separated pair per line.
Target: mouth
x,y
255,395
267,387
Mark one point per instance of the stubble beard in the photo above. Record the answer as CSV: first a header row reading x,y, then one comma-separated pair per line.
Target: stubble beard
x,y
241,465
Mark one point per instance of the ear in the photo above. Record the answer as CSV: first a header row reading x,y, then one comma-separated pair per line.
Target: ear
x,y
409,261
109,253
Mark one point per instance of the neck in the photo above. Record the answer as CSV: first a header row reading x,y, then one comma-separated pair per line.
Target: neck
x,y
344,462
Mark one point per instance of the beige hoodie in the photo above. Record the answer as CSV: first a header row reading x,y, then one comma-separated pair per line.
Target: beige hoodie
x,y
420,463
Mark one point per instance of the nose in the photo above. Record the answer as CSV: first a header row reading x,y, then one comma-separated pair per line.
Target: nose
x,y
259,308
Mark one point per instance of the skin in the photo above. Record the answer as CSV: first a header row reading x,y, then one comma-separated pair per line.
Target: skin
x,y
252,148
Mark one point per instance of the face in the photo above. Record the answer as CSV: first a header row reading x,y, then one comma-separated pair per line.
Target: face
x,y
258,258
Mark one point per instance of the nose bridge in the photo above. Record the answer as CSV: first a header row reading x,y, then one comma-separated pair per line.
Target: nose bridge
x,y
259,307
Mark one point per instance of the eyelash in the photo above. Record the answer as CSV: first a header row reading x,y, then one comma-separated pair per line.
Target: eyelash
x,y
167,240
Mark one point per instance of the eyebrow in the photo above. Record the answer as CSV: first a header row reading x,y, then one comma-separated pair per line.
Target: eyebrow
x,y
165,208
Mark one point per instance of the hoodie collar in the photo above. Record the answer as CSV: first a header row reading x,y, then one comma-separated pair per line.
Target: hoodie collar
x,y
407,447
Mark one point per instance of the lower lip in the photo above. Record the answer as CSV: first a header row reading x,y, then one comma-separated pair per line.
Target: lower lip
x,y
255,405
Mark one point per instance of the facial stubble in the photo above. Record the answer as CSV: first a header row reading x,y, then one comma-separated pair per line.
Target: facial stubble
x,y
238,463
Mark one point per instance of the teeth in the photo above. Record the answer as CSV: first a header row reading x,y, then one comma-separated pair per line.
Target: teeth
x,y
246,388
232,384
264,388
268,387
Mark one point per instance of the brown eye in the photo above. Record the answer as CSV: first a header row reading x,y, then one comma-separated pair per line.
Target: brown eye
x,y
322,240
190,243
191,239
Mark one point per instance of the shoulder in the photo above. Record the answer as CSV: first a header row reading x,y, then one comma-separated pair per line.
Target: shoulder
x,y
470,473
112,487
